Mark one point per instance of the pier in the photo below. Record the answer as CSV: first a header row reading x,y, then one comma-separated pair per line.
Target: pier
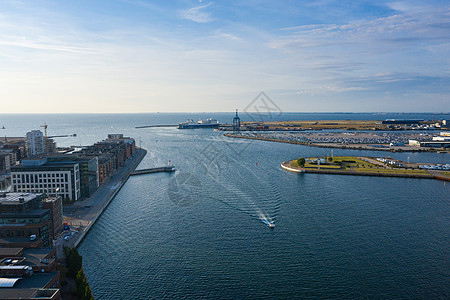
x,y
150,126
153,170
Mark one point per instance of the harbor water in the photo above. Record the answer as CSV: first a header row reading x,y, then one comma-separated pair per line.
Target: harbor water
x,y
202,232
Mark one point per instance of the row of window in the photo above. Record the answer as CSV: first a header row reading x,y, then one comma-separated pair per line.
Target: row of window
x,y
40,180
41,175
40,186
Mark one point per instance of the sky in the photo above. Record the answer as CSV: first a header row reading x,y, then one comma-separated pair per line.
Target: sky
x,y
125,56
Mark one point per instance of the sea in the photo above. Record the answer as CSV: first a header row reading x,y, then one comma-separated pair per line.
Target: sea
x,y
202,232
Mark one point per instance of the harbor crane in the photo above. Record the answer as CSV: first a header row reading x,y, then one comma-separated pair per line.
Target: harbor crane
x,y
45,129
236,122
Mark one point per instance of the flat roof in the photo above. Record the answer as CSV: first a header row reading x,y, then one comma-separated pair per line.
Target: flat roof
x,y
36,281
10,251
28,293
13,198
27,214
15,240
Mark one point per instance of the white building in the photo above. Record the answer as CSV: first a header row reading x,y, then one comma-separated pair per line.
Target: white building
x,y
414,143
35,142
54,179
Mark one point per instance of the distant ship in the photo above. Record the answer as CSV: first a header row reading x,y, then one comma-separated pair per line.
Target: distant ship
x,y
190,124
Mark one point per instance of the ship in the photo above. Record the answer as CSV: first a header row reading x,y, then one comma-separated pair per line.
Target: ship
x,y
190,124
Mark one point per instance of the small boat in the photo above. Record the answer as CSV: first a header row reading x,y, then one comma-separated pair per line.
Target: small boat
x,y
271,225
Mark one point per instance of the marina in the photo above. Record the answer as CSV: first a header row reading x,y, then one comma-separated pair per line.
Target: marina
x,y
373,235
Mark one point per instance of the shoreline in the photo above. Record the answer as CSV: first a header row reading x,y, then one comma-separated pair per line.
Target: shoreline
x,y
286,165
318,145
86,212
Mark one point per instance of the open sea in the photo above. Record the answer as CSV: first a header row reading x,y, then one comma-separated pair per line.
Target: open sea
x,y
202,233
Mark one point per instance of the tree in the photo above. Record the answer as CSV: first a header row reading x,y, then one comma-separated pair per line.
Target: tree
x,y
301,161
330,158
74,262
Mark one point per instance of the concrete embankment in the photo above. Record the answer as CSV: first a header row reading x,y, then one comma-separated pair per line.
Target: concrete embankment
x,y
336,146
287,166
98,202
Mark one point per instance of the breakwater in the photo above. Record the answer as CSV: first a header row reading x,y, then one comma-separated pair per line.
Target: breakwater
x,y
153,170
329,145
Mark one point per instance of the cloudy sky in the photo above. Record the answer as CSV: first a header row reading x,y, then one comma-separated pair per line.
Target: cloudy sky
x,y
195,56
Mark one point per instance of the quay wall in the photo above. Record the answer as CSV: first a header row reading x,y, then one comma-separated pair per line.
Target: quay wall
x,y
337,146
140,153
285,165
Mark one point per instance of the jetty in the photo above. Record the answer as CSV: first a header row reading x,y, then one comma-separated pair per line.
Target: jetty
x,y
153,170
150,126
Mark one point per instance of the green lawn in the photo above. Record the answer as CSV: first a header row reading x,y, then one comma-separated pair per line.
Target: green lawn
x,y
391,171
358,165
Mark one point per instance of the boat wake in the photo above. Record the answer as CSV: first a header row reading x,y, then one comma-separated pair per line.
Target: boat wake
x,y
235,187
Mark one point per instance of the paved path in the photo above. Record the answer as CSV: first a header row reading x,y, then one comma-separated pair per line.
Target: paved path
x,y
82,214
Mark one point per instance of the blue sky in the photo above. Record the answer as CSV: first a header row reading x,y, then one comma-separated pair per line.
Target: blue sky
x,y
175,56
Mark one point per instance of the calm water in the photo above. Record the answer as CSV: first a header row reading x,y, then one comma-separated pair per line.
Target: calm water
x,y
200,233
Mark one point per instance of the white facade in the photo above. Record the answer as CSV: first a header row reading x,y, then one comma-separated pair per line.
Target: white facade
x,y
53,183
35,142
441,138
414,143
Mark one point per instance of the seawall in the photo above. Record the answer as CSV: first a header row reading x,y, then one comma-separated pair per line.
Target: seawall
x,y
139,155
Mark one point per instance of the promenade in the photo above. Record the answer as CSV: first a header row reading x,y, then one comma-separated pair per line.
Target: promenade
x,y
82,214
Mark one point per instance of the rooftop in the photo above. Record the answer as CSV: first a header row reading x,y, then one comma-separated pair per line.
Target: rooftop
x,y
5,252
14,198
28,293
36,281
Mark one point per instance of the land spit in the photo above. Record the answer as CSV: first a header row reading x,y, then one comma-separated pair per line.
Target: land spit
x,y
351,169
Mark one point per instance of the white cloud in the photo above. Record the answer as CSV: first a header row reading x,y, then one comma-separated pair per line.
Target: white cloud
x,y
197,14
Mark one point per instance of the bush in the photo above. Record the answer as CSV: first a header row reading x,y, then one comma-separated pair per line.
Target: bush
x,y
301,161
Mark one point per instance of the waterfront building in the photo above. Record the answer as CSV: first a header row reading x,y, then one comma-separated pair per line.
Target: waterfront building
x,y
55,178
111,153
56,214
24,221
29,274
35,142
88,166
39,259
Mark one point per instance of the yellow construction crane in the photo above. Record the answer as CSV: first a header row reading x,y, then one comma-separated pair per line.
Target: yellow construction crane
x,y
45,129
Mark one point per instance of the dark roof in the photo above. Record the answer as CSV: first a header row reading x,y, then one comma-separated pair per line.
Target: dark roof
x,y
8,293
27,214
36,281
10,251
